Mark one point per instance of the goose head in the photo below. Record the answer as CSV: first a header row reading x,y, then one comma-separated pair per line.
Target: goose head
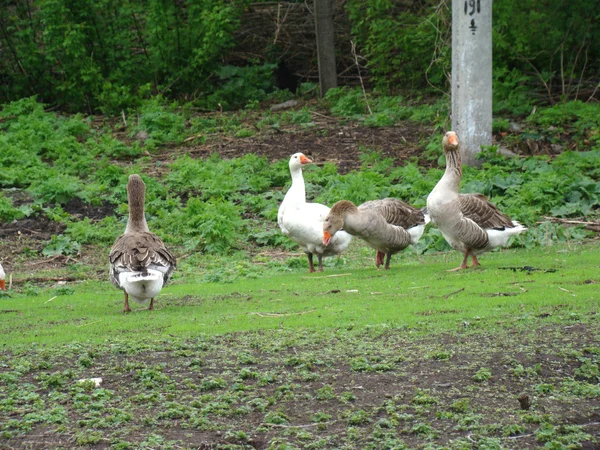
x,y
298,160
450,141
334,221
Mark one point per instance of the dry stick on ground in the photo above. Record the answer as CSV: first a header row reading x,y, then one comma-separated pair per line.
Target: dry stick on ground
x,y
330,276
447,295
45,260
281,314
362,85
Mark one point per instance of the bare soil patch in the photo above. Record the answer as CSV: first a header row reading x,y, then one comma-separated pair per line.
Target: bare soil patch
x,y
351,391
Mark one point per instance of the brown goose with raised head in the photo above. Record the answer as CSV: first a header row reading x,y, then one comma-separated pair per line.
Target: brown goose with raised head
x,y
140,264
469,222
388,225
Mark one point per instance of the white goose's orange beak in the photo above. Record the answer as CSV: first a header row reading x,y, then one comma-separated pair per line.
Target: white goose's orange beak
x,y
327,237
2,285
304,160
452,138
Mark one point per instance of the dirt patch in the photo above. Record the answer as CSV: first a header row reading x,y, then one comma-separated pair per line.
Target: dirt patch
x,y
355,391
332,142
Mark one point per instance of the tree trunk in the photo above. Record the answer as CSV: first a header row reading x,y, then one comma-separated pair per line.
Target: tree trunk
x,y
325,45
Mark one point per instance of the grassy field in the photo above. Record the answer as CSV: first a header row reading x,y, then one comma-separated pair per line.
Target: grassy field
x,y
414,357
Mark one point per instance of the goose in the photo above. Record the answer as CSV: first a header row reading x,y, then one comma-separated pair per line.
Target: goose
x,y
469,222
140,264
2,279
388,225
302,222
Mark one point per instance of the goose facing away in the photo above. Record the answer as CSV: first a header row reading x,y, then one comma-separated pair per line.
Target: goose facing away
x,y
388,225
469,222
302,222
140,264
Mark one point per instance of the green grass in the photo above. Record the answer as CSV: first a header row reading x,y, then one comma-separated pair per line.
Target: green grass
x,y
417,293
353,358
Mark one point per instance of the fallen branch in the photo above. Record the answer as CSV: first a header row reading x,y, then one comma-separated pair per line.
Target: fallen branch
x,y
48,301
281,314
44,261
329,276
571,221
452,293
447,295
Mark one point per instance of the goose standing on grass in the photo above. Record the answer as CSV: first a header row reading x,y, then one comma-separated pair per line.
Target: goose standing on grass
x,y
388,225
139,262
469,222
303,222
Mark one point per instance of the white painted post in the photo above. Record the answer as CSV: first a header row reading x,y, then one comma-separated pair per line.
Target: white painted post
x,y
472,75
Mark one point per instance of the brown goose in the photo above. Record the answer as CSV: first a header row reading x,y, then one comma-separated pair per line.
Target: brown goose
x,y
139,262
469,222
388,225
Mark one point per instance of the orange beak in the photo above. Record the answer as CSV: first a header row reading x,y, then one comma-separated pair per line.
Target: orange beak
x,y
327,237
2,285
304,160
453,139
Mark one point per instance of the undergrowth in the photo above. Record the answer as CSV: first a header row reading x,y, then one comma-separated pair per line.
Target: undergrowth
x,y
220,206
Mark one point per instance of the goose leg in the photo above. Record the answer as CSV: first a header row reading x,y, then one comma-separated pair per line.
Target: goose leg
x,y
474,261
379,259
320,258
311,267
126,307
464,263
151,303
387,261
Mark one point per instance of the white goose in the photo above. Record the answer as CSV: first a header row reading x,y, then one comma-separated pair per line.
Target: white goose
x,y
388,225
302,222
140,264
469,222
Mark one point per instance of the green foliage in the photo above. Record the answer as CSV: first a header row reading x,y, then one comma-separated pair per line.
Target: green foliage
x,y
212,226
239,86
108,55
8,212
61,245
405,47
218,205
385,111
162,122
482,374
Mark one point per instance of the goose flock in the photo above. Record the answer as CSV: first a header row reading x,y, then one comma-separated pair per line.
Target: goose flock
x,y
141,265
469,222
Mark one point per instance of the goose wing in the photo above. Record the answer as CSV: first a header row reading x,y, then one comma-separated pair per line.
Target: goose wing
x,y
480,210
137,252
395,212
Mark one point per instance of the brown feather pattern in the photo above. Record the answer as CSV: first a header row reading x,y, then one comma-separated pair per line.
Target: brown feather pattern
x,y
137,252
480,210
396,212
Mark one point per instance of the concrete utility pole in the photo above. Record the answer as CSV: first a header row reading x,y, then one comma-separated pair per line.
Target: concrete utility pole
x,y
325,44
472,75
